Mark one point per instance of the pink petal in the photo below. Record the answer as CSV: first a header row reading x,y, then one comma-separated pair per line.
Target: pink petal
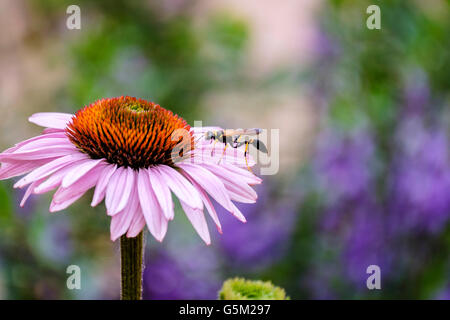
x,y
216,153
203,130
226,175
54,120
64,204
29,191
238,214
237,193
197,219
60,140
153,214
233,173
54,180
102,184
64,197
37,154
210,183
249,177
137,224
236,184
118,190
162,193
25,143
52,130
79,171
121,222
49,168
209,206
180,186
18,168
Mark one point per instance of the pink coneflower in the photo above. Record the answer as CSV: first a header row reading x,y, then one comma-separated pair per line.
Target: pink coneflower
x,y
123,147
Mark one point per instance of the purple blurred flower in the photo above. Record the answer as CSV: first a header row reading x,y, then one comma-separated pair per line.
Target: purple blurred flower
x,y
417,93
444,294
192,275
420,179
343,165
366,244
55,241
263,239
325,47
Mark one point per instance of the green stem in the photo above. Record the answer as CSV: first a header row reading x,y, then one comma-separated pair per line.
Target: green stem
x,y
131,257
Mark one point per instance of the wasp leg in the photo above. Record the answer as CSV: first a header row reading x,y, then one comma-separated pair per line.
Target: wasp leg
x,y
212,151
235,143
223,153
245,155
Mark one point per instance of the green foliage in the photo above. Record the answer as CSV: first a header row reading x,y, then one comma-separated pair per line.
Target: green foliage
x,y
5,205
241,289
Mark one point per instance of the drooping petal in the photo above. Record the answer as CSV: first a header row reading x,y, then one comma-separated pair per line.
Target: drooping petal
x,y
217,153
233,173
238,190
54,120
55,179
238,214
118,190
37,154
79,171
102,184
51,140
53,130
240,193
37,139
203,130
137,224
249,177
120,223
18,168
29,191
207,202
64,197
156,222
198,221
180,186
162,193
227,177
210,183
49,168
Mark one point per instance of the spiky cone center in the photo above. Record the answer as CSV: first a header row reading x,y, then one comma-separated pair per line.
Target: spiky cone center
x,y
130,132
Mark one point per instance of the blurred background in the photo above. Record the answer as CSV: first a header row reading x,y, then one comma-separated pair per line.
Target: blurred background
x,y
364,124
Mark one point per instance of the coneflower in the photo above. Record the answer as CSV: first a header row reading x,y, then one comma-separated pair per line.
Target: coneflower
x,y
135,153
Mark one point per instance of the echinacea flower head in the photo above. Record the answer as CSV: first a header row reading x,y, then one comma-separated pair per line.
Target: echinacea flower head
x,y
135,154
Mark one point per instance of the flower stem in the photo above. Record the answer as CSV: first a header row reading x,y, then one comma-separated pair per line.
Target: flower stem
x,y
131,257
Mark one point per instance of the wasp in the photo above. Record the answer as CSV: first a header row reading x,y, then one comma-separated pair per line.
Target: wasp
x,y
236,138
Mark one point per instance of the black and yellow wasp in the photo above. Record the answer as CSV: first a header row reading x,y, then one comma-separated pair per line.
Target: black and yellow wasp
x,y
236,138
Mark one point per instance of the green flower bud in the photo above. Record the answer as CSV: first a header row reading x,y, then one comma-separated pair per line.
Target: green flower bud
x,y
241,289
